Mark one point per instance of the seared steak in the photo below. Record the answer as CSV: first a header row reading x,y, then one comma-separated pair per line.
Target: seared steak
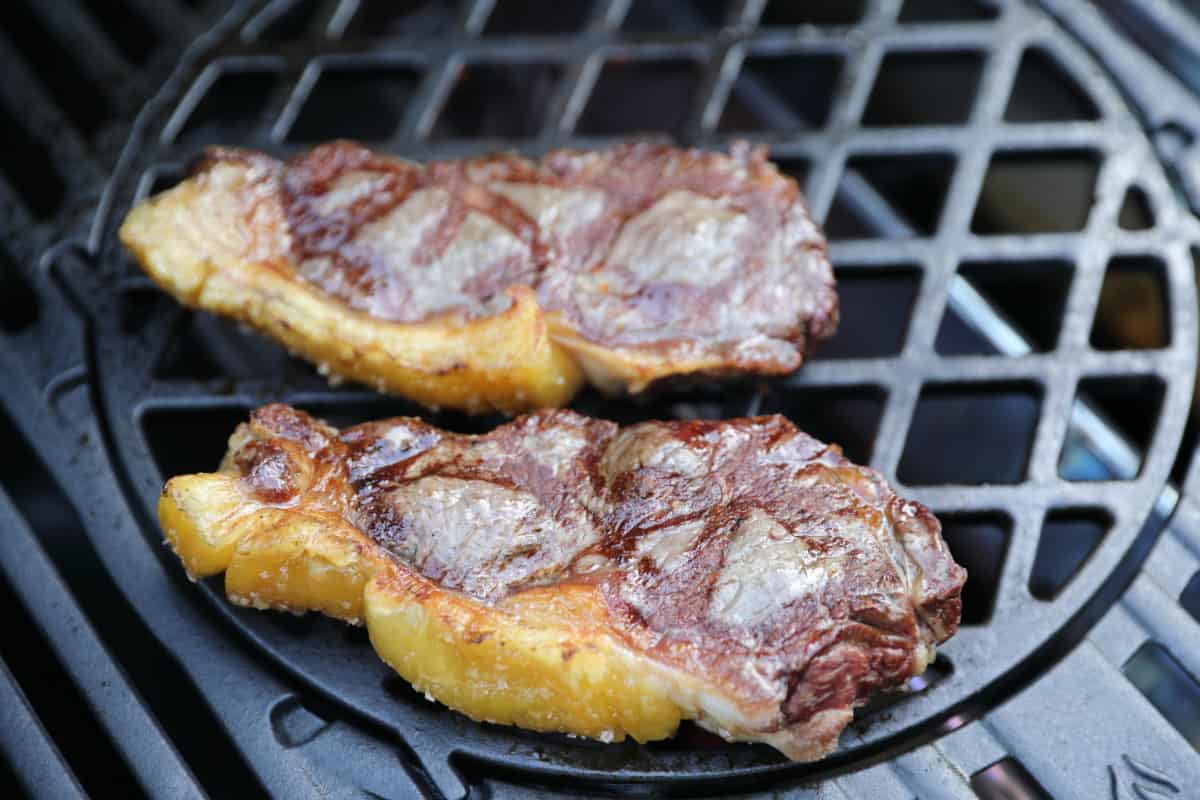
x,y
628,265
562,573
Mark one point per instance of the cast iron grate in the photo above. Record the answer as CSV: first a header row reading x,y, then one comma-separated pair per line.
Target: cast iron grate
x,y
938,202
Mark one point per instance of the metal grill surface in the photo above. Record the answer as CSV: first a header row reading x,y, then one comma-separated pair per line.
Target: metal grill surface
x,y
999,407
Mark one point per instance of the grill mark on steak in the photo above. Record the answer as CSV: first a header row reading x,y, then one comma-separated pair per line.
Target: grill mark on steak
x,y
637,246
337,194
743,550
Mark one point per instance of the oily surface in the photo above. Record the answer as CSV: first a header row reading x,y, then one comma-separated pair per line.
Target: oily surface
x,y
742,553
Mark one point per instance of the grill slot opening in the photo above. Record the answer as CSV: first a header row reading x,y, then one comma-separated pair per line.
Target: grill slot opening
x,y
120,21
970,434
1168,686
798,168
922,88
647,95
499,100
946,11
231,109
782,92
1189,598
847,416
284,20
18,301
1007,779
185,716
1132,405
136,306
1008,286
875,306
847,220
356,102
204,347
677,402
813,12
979,542
400,18
1037,192
657,16
9,785
1135,214
913,187
535,16
1044,92
342,413
186,355
1068,539
1133,313
187,440
75,92
26,164
60,706
690,736
193,440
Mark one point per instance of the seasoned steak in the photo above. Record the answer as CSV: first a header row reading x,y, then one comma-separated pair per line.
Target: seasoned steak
x,y
638,245
562,573
641,261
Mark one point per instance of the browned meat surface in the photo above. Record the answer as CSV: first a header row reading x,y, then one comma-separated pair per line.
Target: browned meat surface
x,y
628,265
638,245
764,582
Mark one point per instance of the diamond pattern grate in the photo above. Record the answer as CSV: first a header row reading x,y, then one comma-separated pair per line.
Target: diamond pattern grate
x,y
945,202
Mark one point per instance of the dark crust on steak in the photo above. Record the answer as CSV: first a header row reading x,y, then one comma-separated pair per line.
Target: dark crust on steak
x,y
744,550
639,246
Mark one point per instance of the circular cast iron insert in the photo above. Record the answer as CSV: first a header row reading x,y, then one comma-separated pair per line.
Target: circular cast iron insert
x,y
970,397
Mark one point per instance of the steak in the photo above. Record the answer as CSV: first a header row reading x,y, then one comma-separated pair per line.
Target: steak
x,y
623,266
563,573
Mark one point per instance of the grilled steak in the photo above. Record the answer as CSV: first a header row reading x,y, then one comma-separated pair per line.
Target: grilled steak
x,y
562,573
499,282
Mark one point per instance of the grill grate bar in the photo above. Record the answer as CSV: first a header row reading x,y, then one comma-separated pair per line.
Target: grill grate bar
x,y
240,691
765,41
40,766
35,109
130,725
978,312
1001,497
610,15
475,14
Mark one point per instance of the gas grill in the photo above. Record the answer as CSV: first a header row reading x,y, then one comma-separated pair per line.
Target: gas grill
x,y
1010,192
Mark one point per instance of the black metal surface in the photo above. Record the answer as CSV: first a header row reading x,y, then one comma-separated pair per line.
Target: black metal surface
x,y
42,768
971,407
113,700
